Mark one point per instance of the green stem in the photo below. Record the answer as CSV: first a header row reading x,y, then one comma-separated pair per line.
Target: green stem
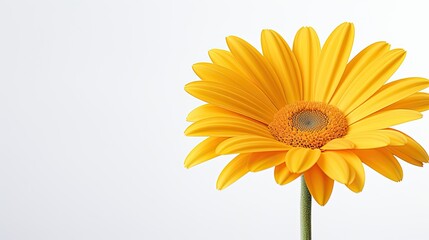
x,y
305,211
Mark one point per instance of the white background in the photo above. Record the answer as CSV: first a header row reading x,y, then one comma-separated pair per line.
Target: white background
x,y
92,114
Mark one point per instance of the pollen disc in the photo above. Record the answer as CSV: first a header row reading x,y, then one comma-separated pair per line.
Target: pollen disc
x,y
308,124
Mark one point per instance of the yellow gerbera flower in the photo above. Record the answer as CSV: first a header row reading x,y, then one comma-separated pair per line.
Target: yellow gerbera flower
x,y
306,111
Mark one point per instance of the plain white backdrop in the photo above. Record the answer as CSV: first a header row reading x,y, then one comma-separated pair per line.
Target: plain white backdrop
x,y
92,114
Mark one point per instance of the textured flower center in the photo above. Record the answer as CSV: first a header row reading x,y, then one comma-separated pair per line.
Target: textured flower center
x,y
308,124
308,120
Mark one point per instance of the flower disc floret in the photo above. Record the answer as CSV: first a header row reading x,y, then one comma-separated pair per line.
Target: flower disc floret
x,y
308,124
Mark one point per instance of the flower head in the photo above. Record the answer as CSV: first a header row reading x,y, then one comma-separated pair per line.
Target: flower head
x,y
306,111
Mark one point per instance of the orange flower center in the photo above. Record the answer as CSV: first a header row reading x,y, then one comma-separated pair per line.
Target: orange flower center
x,y
308,124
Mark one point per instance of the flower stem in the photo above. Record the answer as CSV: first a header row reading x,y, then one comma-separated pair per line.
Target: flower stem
x,y
305,211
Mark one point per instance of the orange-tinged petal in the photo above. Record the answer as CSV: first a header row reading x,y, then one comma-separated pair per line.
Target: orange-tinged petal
x,y
306,48
259,68
418,102
356,65
301,159
235,169
278,52
233,99
387,95
333,60
333,165
383,162
282,174
370,80
249,144
203,152
384,119
319,185
227,127
264,160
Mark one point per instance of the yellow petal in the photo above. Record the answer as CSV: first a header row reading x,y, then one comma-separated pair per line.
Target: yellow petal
x,y
370,80
227,127
227,77
283,176
333,165
365,140
384,119
204,151
264,160
209,111
226,59
412,150
356,65
306,48
235,169
418,102
383,162
249,144
368,140
355,165
319,185
259,68
333,60
232,99
396,137
301,159
387,95
404,157
338,143
278,52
